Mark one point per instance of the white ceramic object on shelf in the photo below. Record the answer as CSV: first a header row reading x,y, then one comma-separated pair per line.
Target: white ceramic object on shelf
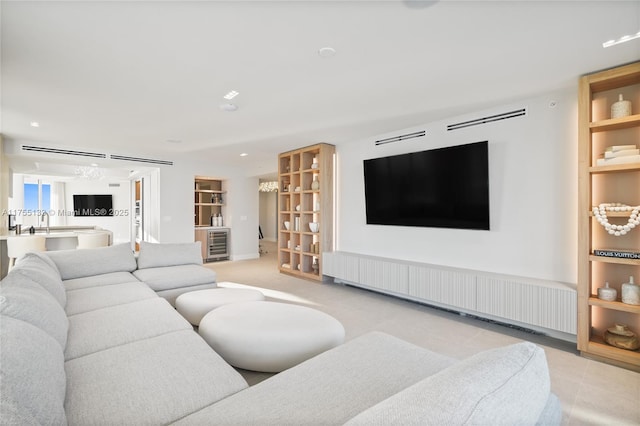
x,y
631,293
287,224
314,226
298,208
315,185
607,293
621,108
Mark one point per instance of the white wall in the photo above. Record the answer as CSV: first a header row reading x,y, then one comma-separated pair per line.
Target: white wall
x,y
120,223
533,195
5,188
176,204
268,215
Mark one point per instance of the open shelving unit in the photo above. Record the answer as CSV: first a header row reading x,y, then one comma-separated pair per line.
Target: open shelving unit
x,y
618,183
209,199
302,202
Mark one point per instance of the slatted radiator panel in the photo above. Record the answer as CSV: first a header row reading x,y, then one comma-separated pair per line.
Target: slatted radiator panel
x,y
389,276
454,288
541,304
341,266
544,306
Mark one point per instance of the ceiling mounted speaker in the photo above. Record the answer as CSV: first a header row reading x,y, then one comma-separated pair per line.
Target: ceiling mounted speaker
x,y
229,107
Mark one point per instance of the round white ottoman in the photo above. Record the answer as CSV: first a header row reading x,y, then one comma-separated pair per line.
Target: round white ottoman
x,y
269,336
196,304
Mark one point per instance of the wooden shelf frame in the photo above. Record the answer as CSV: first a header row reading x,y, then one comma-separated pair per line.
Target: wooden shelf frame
x,y
296,171
204,188
596,93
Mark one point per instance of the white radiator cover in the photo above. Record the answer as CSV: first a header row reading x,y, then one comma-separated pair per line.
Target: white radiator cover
x,y
542,305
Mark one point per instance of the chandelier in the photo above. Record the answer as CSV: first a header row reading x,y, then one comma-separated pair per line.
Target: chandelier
x,y
268,186
88,172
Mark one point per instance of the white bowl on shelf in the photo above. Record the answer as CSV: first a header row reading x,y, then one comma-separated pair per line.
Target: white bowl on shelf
x,y
287,224
314,226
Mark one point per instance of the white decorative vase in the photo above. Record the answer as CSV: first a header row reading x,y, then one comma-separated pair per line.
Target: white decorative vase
x,y
315,185
607,293
631,293
621,108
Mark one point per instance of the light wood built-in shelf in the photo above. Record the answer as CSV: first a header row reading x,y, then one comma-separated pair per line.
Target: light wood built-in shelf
x,y
632,167
615,305
606,352
615,214
596,132
299,169
615,123
204,189
619,261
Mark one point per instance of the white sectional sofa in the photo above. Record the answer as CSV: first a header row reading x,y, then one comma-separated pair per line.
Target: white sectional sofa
x,y
85,342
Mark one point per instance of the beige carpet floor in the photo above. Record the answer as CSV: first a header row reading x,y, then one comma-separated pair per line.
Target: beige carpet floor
x,y
591,392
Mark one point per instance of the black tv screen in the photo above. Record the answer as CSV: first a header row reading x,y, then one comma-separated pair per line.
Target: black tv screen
x,y
92,205
440,188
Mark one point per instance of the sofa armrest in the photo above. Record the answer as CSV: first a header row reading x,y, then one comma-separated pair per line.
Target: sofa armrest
x,y
507,385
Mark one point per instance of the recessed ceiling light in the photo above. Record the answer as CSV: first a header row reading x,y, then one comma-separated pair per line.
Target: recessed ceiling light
x,y
622,39
174,141
34,124
229,107
232,94
326,52
244,154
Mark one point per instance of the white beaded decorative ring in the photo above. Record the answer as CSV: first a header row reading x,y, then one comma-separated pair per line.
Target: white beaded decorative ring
x,y
600,213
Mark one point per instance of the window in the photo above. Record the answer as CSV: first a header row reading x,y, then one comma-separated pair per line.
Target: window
x,y
37,196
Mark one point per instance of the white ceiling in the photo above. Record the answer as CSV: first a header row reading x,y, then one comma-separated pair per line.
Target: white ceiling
x,y
129,76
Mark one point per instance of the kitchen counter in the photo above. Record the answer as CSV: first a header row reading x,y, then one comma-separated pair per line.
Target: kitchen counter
x,y
58,238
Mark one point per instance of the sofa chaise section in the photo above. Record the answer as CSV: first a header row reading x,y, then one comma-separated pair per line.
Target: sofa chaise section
x,y
330,388
171,269
151,381
108,327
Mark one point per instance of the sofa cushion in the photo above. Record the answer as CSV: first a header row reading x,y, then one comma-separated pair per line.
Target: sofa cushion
x,y
38,268
32,376
94,261
151,381
172,294
154,255
508,385
170,277
25,300
117,325
329,388
92,298
43,257
99,280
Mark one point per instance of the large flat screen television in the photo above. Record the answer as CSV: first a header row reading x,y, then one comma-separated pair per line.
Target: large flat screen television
x,y
441,188
92,205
